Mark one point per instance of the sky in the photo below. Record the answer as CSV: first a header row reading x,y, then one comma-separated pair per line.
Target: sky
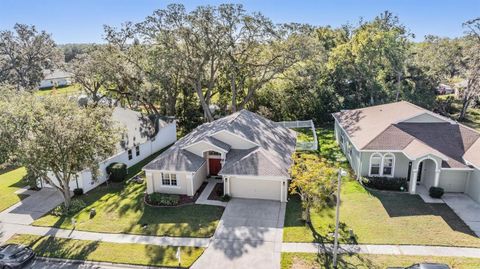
x,y
81,21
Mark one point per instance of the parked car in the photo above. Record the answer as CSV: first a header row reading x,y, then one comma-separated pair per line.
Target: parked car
x,y
424,266
13,256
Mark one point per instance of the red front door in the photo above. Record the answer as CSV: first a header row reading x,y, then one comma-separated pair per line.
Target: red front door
x,y
214,165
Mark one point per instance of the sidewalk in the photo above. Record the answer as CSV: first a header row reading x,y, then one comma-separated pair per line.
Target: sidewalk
x,y
203,198
386,249
9,229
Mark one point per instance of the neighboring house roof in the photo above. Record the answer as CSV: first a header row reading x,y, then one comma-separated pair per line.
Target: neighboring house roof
x,y
271,143
56,74
138,128
386,127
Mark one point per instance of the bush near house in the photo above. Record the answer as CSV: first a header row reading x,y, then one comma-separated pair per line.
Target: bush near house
x,y
117,172
75,206
162,199
436,192
386,183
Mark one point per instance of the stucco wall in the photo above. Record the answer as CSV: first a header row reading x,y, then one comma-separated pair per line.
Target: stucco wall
x,y
181,188
400,165
453,180
428,173
199,177
473,185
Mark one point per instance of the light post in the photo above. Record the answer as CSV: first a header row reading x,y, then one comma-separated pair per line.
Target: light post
x,y
341,173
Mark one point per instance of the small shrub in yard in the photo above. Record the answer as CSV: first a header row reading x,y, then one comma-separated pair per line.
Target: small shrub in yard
x,y
386,183
226,198
75,206
78,191
163,199
117,171
436,192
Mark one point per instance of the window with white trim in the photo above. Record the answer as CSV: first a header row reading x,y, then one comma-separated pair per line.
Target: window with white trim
x,y
130,155
388,161
169,179
137,150
375,164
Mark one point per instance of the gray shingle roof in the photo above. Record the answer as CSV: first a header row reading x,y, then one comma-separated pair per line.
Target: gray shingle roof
x,y
275,144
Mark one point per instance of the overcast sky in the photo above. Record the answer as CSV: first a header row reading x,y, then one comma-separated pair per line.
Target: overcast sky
x,y
81,21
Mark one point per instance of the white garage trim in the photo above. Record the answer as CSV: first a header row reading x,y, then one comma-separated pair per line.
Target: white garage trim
x,y
268,188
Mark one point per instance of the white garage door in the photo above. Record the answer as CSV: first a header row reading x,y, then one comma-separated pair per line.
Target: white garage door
x,y
453,181
255,188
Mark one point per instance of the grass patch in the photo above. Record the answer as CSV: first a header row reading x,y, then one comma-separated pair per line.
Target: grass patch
x,y
377,217
472,118
67,90
120,209
137,254
11,181
304,134
313,260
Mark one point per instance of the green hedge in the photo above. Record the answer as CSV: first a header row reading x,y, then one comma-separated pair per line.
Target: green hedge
x,y
117,172
386,183
163,199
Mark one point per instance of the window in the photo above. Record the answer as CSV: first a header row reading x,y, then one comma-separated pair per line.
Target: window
x,y
169,179
388,165
130,154
375,163
137,150
214,153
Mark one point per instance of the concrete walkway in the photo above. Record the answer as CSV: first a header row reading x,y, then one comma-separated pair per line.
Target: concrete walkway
x,y
33,207
466,208
9,229
386,250
203,198
423,192
249,236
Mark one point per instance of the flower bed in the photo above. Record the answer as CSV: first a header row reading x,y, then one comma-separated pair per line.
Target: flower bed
x,y
172,200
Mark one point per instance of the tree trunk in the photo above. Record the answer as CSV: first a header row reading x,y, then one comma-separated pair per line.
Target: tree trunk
x,y
67,198
206,109
307,214
234,93
399,85
465,105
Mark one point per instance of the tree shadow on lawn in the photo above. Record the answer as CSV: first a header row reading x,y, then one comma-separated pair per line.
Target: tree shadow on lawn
x,y
407,205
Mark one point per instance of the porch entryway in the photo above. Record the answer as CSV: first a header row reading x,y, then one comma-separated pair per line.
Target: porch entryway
x,y
426,172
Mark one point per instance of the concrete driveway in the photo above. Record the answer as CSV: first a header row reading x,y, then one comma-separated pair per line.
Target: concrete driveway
x,y
249,236
33,207
466,208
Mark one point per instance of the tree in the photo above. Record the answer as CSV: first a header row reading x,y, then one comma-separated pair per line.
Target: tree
x,y
314,180
24,55
61,138
471,67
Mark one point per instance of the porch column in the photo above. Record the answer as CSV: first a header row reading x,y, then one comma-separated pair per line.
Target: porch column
x,y
413,182
226,185
189,178
437,178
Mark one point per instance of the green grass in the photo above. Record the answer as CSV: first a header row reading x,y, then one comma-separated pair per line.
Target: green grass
x,y
137,254
11,181
377,217
120,209
67,90
313,260
472,119
304,134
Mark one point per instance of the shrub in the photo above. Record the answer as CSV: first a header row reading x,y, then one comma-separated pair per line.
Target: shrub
x,y
436,192
78,191
386,183
226,198
75,206
164,199
117,172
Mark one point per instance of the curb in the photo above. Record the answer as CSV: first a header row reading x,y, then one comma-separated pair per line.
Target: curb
x,y
119,265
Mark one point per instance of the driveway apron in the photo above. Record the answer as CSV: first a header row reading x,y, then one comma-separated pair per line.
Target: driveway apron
x,y
249,235
466,208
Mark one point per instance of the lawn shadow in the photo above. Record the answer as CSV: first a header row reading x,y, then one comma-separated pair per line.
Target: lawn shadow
x,y
407,205
63,248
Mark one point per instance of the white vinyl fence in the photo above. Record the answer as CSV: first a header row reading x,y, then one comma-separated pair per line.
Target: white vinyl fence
x,y
303,145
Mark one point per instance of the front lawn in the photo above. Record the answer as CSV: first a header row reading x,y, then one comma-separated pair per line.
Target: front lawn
x,y
377,217
137,254
313,260
120,209
304,134
10,182
66,90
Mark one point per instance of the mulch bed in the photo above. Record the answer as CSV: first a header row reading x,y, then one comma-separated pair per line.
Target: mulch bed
x,y
217,192
184,199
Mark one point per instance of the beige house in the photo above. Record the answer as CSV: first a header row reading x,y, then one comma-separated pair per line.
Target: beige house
x,y
249,153
404,140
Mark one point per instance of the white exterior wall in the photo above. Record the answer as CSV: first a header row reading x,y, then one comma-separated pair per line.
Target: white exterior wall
x,y
234,141
201,147
166,136
154,179
428,173
473,185
454,180
199,177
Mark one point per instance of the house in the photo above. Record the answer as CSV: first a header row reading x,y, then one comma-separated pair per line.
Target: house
x,y
56,78
139,141
403,140
251,154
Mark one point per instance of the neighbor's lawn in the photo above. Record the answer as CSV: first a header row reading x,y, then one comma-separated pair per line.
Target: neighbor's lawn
x,y
312,260
138,254
68,90
304,134
377,217
473,114
120,209
10,181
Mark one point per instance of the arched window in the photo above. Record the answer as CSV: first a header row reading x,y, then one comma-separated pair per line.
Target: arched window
x,y
375,164
388,164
